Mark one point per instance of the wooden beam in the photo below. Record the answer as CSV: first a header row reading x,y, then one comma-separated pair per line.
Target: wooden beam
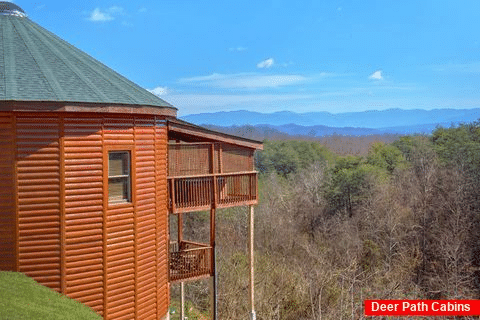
x,y
172,195
180,228
215,175
213,285
212,235
212,158
214,178
251,260
220,158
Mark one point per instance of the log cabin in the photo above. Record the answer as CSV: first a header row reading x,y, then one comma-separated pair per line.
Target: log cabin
x,y
92,165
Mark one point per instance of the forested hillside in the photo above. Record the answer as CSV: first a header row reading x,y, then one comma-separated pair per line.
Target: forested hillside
x,y
337,143
399,222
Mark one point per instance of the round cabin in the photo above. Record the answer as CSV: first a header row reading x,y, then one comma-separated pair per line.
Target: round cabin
x,y
83,174
91,167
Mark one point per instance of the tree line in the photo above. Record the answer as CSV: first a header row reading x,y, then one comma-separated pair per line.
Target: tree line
x,y
400,222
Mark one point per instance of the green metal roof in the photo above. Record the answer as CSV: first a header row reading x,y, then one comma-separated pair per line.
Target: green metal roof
x,y
36,65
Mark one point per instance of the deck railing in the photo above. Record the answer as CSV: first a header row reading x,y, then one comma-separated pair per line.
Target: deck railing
x,y
189,260
195,193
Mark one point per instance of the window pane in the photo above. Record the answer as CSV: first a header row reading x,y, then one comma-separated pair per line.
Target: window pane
x,y
119,177
118,189
118,163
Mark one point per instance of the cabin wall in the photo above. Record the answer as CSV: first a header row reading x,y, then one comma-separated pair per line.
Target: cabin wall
x,y
83,232
111,257
38,196
145,213
120,263
7,194
163,288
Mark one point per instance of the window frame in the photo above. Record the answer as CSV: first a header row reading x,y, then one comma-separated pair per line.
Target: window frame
x,y
131,170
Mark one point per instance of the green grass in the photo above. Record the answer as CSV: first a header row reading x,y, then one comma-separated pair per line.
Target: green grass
x,y
23,298
191,312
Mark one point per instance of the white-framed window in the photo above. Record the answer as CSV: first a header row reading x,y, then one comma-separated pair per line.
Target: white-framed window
x,y
119,177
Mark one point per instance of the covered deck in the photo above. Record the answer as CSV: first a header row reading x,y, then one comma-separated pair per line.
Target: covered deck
x,y
203,175
206,170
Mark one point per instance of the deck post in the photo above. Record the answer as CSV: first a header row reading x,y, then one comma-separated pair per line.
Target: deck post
x,y
214,200
182,301
213,281
179,229
253,315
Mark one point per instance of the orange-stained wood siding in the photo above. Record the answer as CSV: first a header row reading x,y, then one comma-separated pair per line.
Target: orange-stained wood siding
x,y
145,213
163,294
38,189
84,210
7,194
120,245
111,257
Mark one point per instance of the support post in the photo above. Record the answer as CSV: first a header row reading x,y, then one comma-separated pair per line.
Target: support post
x,y
182,301
179,229
253,315
213,296
213,281
172,195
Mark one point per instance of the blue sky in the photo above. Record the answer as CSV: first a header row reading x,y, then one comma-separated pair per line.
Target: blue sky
x,y
267,56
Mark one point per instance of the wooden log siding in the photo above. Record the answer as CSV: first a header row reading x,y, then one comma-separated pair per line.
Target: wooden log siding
x,y
145,213
163,288
111,257
8,228
84,211
38,192
120,254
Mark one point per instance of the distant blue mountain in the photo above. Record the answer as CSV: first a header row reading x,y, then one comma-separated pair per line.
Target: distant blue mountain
x,y
393,121
368,119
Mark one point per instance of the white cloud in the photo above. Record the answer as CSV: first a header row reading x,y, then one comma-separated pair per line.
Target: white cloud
x,y
97,15
377,75
287,64
238,49
246,80
115,10
160,91
267,63
472,67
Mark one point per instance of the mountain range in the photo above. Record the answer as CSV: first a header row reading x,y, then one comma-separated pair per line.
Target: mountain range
x,y
392,121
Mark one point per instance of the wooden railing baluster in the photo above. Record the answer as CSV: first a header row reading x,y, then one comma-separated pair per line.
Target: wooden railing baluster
x,y
194,193
189,260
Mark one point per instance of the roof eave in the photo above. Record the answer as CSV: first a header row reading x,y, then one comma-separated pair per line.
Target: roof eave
x,y
186,128
58,106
